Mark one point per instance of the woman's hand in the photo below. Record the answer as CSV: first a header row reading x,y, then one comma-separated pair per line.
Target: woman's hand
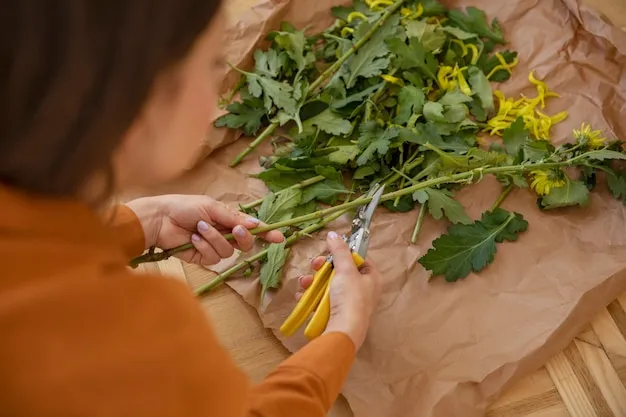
x,y
354,292
173,220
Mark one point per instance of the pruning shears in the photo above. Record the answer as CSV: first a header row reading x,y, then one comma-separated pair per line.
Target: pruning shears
x,y
316,299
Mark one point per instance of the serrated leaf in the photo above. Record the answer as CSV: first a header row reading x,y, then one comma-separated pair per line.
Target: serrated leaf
x,y
536,150
279,207
475,21
440,202
414,55
605,154
294,43
431,36
480,86
373,139
616,180
273,92
573,193
325,192
267,62
433,112
331,123
515,136
270,273
372,58
477,110
411,101
243,116
467,248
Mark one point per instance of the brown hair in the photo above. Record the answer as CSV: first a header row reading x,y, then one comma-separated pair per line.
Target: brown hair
x,y
74,74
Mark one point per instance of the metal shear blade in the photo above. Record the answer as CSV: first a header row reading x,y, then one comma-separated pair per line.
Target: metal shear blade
x,y
360,236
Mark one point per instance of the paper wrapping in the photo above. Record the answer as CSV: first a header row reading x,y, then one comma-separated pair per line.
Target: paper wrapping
x,y
437,349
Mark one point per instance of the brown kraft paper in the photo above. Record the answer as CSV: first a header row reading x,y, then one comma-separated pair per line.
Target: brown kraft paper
x,y
436,349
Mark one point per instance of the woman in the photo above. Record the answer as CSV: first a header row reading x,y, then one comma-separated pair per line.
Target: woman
x,y
100,96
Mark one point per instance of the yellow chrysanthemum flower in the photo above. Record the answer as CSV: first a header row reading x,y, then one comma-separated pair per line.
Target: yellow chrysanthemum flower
x,y
544,181
412,14
450,78
593,138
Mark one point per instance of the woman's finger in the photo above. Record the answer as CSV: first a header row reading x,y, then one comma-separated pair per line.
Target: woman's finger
x,y
225,216
316,263
244,239
221,246
305,281
208,256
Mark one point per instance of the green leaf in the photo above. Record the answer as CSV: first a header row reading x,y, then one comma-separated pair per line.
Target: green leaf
x,y
605,154
344,154
371,60
536,150
433,112
477,110
458,33
453,97
271,269
431,36
357,97
405,204
616,180
294,44
278,93
472,247
331,123
440,202
433,8
372,140
480,86
279,207
304,209
411,101
267,63
365,171
278,178
573,193
325,192
456,113
414,55
475,21
515,136
242,115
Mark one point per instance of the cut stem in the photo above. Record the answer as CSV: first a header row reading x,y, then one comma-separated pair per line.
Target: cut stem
x,y
322,77
502,197
418,224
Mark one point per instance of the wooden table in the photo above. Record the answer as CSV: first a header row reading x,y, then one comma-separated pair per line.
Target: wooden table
x,y
587,379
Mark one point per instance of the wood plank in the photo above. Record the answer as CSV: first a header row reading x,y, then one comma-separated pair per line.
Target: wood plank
x,y
569,387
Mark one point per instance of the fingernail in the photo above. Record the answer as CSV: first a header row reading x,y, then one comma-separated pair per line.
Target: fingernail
x,y
239,231
254,220
195,237
332,235
203,226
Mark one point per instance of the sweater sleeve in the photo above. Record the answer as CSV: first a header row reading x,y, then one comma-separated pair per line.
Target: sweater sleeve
x,y
308,383
127,230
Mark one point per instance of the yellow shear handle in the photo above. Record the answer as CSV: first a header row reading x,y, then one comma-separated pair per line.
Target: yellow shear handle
x,y
318,322
308,301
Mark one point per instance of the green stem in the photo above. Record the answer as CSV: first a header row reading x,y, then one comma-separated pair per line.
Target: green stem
x,y
301,184
502,196
446,179
256,142
418,224
221,278
408,166
322,77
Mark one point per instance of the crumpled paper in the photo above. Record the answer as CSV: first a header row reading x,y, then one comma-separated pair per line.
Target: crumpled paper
x,y
438,349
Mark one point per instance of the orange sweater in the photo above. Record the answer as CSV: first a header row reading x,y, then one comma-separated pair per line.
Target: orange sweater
x,y
81,335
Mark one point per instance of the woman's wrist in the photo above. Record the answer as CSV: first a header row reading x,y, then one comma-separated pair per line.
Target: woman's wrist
x,y
149,212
